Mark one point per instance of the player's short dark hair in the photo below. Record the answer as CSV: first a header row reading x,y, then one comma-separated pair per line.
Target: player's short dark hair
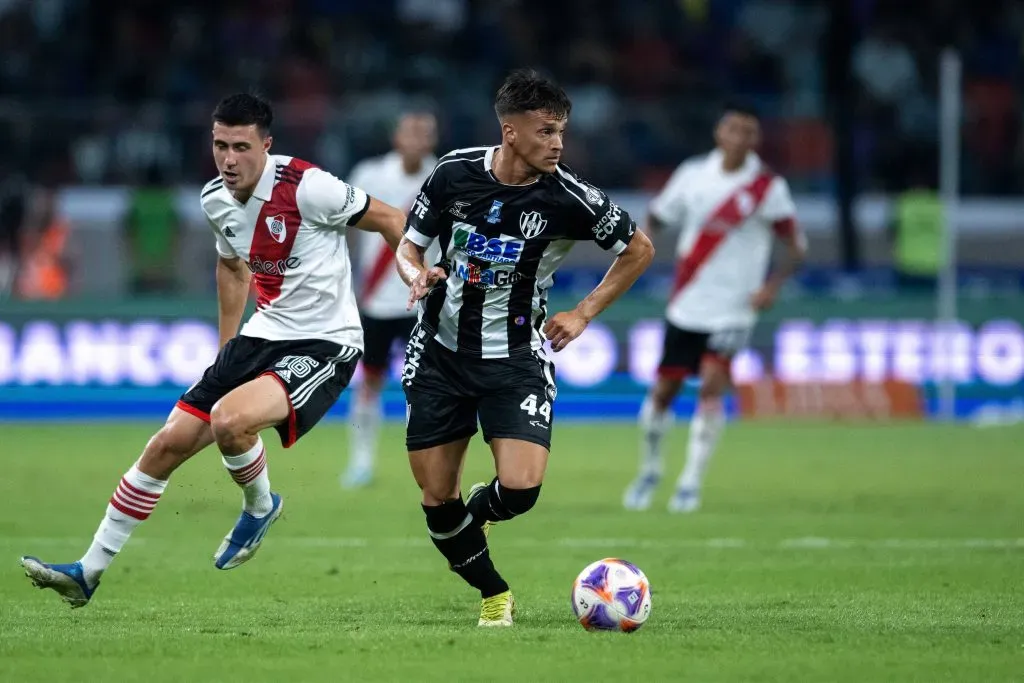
x,y
526,90
740,107
244,109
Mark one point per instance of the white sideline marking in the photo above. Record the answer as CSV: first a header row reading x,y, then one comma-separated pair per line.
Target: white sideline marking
x,y
805,543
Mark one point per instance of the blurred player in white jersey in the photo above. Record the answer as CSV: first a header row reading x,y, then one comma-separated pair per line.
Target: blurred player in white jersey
x,y
281,222
394,178
729,206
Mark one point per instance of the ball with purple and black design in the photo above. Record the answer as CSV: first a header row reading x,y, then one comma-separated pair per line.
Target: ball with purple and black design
x,y
611,595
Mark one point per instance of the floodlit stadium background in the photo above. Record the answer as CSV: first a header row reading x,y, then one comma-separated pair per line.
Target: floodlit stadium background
x,y
851,104
855,549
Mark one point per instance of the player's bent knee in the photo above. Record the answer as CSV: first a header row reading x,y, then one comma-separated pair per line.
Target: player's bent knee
x,y
228,424
522,479
437,484
518,501
164,443
436,470
436,493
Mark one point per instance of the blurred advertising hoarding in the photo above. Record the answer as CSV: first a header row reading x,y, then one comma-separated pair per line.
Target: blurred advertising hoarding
x,y
604,372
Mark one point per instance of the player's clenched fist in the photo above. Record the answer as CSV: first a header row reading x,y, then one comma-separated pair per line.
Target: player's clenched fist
x,y
563,327
423,283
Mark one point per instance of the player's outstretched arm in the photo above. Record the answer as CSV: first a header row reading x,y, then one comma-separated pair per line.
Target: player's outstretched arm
x,y
384,219
409,258
232,293
562,328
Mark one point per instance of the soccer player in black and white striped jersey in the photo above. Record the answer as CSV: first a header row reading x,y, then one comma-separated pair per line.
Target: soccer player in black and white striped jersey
x,y
505,217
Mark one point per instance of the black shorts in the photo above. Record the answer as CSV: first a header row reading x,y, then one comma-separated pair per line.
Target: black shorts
x,y
313,373
684,350
445,393
380,335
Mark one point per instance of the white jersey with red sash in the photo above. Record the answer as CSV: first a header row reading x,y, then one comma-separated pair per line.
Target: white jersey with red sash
x,y
382,294
728,220
291,235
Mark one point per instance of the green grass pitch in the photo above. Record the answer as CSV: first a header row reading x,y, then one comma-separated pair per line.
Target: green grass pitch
x,y
822,553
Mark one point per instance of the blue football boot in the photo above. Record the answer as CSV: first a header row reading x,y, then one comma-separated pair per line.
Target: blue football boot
x,y
245,539
67,579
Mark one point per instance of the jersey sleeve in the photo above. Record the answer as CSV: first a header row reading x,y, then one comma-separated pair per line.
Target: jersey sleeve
x,y
328,201
669,206
778,205
423,224
779,211
602,221
224,248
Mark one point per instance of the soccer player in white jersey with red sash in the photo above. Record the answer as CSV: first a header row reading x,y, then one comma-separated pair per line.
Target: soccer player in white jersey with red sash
x,y
394,178
729,206
284,221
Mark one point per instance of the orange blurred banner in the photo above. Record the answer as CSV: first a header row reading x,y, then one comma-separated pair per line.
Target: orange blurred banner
x,y
888,400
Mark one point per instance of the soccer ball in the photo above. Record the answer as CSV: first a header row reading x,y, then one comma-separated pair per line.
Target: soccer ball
x,y
611,595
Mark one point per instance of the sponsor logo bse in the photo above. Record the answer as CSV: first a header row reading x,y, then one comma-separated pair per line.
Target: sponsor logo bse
x,y
485,248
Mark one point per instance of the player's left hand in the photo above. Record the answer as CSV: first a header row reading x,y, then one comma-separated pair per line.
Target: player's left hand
x,y
563,327
764,298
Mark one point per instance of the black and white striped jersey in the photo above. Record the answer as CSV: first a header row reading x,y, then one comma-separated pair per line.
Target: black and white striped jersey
x,y
501,245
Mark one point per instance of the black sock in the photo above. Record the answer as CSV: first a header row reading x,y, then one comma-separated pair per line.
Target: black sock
x,y
498,503
464,546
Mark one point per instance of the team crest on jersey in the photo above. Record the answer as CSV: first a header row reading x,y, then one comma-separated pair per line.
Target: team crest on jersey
x,y
594,197
532,224
275,224
494,213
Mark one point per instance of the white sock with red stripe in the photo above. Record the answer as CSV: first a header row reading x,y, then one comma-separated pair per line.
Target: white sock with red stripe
x,y
133,501
705,430
249,470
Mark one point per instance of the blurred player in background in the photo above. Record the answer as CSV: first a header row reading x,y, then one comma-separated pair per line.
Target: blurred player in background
x,y
284,221
729,206
505,216
394,178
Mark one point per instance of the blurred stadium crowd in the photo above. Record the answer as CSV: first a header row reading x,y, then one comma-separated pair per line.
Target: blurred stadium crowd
x,y
110,92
